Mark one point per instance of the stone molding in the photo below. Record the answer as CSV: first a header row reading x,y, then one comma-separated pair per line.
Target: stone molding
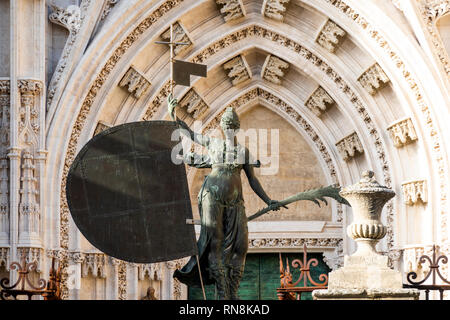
x,y
179,35
402,132
415,192
193,104
319,101
101,126
274,69
373,79
350,146
135,83
330,35
237,70
109,5
94,264
275,9
231,9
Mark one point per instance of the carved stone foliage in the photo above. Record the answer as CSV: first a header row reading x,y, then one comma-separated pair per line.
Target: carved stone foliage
x,y
193,104
109,5
415,192
330,35
94,264
350,146
29,115
120,267
135,83
402,132
294,243
238,70
29,212
69,18
275,9
274,69
373,79
101,126
179,35
319,101
231,9
335,259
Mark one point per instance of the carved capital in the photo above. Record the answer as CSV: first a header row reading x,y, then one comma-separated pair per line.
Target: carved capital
x,y
69,18
193,104
29,87
402,132
274,69
274,9
135,83
350,146
238,70
179,35
319,101
153,271
231,9
415,192
373,79
330,35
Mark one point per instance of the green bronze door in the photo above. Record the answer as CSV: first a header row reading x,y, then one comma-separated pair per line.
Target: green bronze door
x,y
262,276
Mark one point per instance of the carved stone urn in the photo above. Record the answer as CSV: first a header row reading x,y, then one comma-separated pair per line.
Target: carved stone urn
x,y
366,274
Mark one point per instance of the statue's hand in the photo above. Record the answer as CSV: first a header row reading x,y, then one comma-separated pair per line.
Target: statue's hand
x,y
183,125
172,103
275,205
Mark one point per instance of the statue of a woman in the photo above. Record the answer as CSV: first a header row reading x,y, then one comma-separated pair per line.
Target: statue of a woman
x,y
223,241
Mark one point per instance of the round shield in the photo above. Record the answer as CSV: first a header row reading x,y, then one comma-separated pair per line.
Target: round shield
x,y
127,196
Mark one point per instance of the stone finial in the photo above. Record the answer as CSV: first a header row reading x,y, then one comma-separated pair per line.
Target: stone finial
x,y
101,126
274,69
350,146
415,192
135,83
69,18
319,101
330,35
274,9
179,35
373,79
194,104
238,70
231,9
402,132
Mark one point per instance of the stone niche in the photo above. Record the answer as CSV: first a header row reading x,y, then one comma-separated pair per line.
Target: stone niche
x,y
299,170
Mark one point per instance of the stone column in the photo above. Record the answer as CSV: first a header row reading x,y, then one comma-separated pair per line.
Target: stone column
x,y
366,275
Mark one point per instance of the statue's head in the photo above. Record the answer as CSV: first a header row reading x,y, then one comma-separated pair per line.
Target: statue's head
x,y
230,120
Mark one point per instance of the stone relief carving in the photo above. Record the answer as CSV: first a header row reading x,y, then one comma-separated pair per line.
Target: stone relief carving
x,y
69,18
92,263
179,35
335,259
4,258
237,70
101,126
194,104
31,255
152,270
411,257
29,115
275,9
231,9
415,192
373,79
4,116
319,101
135,83
350,146
274,69
330,35
4,201
293,243
402,132
120,268
29,212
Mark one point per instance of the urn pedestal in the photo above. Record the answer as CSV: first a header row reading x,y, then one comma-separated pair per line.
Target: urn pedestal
x,y
366,274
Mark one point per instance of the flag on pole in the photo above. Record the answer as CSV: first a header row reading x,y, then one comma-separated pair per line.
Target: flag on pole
x,y
183,70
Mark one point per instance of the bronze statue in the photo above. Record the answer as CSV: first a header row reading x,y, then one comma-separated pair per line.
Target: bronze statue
x,y
150,294
223,241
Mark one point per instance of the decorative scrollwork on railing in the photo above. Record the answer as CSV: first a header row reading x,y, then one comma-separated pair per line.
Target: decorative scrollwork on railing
x,y
434,272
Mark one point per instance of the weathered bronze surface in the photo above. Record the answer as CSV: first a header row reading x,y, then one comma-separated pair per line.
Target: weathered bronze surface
x,y
128,198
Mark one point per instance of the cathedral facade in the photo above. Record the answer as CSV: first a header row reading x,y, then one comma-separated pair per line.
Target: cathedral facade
x,y
346,85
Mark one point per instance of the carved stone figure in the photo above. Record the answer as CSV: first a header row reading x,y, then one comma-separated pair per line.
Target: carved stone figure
x,y
223,241
150,294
